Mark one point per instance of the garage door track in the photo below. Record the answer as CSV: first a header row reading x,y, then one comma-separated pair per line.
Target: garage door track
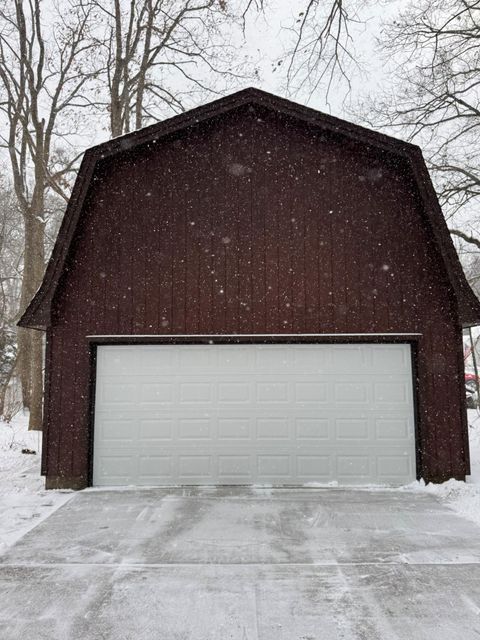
x,y
244,564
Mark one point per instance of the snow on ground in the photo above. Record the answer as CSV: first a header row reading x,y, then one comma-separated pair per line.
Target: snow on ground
x,y
463,497
23,500
474,435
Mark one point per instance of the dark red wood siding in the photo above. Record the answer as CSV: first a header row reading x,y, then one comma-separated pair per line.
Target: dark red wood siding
x,y
254,223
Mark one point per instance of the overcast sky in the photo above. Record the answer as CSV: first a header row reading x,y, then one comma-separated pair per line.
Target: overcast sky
x,y
268,37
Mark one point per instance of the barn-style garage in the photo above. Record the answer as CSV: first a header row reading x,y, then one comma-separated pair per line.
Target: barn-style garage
x,y
253,293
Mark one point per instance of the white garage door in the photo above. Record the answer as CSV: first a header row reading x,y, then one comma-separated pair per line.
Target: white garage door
x,y
253,414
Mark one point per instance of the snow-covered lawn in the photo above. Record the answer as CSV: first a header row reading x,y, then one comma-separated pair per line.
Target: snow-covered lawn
x,y
23,500
463,497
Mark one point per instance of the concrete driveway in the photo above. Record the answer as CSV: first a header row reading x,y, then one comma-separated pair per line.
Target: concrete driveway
x,y
244,564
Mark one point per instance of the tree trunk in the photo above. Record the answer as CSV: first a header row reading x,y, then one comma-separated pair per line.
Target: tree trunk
x,y
30,344
4,387
23,365
36,402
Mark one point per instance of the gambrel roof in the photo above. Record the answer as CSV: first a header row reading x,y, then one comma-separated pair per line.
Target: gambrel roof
x,y
37,314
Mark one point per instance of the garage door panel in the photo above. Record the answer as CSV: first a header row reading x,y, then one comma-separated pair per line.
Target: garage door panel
x,y
197,360
390,358
309,392
273,358
394,428
313,428
235,466
197,393
195,429
117,467
152,393
147,363
314,468
350,358
153,469
354,465
272,392
115,360
115,392
234,428
195,467
234,392
351,393
119,433
269,414
243,467
272,467
352,429
232,361
273,429
393,466
307,362
392,393
156,430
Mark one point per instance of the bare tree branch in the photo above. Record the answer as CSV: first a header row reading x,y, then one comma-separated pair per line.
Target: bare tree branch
x,y
470,239
323,45
433,47
152,47
43,72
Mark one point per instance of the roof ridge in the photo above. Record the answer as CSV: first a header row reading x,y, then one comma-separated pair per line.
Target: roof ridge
x,y
236,100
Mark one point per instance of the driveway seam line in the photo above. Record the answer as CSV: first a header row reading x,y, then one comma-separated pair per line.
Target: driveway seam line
x,y
134,565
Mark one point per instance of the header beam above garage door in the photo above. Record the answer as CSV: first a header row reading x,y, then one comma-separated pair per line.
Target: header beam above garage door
x,y
254,338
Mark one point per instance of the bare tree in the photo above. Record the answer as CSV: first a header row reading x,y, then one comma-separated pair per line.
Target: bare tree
x,y
159,53
323,45
434,49
43,77
11,257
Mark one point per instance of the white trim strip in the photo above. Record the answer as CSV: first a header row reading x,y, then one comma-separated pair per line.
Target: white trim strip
x,y
250,335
